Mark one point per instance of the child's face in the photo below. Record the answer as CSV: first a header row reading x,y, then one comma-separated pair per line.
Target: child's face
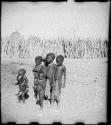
x,y
21,73
37,62
41,76
59,62
48,60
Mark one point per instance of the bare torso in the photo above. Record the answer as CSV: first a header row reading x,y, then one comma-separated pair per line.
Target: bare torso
x,y
50,71
36,69
59,72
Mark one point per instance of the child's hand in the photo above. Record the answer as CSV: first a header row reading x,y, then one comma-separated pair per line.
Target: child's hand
x,y
16,83
19,77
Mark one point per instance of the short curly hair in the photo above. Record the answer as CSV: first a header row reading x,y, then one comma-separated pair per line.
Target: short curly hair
x,y
50,57
60,57
38,58
22,71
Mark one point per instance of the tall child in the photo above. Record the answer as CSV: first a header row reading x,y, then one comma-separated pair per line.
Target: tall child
x,y
59,76
51,68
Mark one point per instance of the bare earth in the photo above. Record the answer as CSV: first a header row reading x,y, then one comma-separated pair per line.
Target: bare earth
x,y
83,98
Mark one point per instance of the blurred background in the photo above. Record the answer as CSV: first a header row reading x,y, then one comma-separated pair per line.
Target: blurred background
x,y
75,30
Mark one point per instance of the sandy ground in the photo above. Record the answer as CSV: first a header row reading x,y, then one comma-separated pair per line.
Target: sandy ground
x,y
83,99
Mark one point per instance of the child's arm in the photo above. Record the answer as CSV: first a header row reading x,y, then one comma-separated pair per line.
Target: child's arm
x,y
26,81
64,72
18,79
35,69
54,75
17,83
42,83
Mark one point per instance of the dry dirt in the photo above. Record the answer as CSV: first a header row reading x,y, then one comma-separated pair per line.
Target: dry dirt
x,y
83,98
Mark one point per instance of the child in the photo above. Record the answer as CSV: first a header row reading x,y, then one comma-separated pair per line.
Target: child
x,y
60,72
45,62
45,67
38,67
22,82
51,68
40,88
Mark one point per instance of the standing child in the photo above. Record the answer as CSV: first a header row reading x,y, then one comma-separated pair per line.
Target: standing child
x,y
45,67
60,73
51,68
40,88
38,67
23,87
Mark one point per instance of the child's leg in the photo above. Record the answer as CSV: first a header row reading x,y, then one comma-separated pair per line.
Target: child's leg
x,y
52,94
38,98
58,92
23,97
19,96
35,85
35,91
26,94
53,85
38,95
41,99
47,92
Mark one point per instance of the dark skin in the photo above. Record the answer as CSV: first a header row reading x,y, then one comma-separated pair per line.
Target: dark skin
x,y
60,71
50,76
50,72
37,62
22,82
41,89
20,77
41,77
36,69
45,62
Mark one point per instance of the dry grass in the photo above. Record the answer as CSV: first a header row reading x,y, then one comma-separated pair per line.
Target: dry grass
x,y
15,46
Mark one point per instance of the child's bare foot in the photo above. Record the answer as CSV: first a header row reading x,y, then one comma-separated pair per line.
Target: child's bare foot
x,y
38,102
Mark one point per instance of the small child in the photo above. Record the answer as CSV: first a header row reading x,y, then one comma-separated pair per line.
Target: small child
x,y
40,88
51,68
38,67
23,86
60,72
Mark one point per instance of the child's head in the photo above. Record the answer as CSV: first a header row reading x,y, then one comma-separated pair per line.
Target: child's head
x,y
38,60
59,60
22,72
50,57
45,62
41,75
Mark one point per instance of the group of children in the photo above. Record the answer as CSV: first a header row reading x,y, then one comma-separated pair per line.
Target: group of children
x,y
55,74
